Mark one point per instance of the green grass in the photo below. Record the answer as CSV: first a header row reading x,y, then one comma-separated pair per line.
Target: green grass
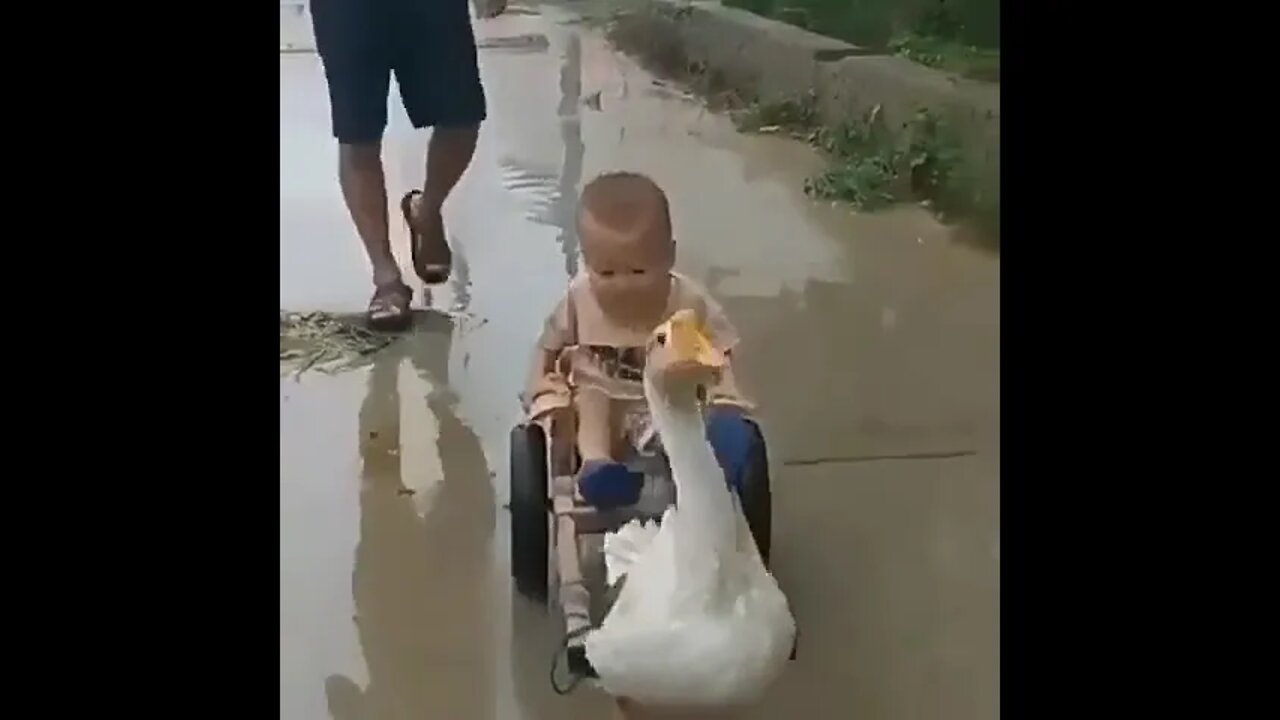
x,y
949,55
871,167
960,36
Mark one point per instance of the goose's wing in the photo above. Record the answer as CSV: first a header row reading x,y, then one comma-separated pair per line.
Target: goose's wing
x,y
624,547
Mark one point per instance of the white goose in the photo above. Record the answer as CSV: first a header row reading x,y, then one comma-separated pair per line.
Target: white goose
x,y
699,622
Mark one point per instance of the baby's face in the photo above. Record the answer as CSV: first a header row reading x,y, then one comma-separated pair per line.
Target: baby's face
x,y
630,273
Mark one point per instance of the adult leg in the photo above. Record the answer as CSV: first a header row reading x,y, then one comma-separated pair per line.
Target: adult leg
x,y
365,192
449,153
439,80
349,37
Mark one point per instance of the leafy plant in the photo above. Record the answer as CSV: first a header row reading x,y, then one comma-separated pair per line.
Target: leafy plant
x,y
794,116
872,167
936,52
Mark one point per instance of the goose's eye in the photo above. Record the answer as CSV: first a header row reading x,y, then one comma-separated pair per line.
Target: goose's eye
x,y
661,338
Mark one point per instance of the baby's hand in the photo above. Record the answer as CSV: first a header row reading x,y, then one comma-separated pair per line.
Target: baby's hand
x,y
552,383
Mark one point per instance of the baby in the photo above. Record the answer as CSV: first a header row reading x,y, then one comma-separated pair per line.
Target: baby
x,y
589,362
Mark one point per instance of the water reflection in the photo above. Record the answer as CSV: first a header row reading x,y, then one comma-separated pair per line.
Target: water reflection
x,y
574,152
421,578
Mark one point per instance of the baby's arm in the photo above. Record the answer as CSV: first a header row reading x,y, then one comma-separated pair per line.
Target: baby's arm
x,y
546,388
543,374
596,427
724,337
725,390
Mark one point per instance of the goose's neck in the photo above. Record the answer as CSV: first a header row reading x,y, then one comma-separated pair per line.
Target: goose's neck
x,y
678,418
701,492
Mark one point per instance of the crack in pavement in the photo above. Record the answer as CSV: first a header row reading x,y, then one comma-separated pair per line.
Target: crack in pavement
x,y
946,455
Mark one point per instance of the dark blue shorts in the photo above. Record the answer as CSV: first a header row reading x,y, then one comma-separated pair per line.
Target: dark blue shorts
x,y
427,44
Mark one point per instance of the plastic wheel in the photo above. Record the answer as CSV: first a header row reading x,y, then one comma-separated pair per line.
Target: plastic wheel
x,y
529,514
757,500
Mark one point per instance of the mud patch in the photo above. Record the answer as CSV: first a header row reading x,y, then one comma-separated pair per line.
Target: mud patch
x,y
520,10
324,342
531,43
662,52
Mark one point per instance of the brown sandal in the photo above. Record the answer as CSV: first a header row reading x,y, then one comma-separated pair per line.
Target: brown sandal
x,y
389,307
437,270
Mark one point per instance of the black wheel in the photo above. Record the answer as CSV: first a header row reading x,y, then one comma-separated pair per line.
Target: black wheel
x,y
757,500
529,511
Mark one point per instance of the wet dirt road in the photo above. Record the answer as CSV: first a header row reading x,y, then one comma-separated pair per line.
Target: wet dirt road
x,y
871,343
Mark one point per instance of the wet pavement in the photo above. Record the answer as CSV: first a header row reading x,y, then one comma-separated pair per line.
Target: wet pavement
x,y
870,341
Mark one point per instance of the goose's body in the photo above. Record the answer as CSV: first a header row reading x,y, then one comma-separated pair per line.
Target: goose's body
x,y
699,620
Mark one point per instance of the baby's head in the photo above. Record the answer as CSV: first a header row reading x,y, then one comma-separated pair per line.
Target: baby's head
x,y
624,226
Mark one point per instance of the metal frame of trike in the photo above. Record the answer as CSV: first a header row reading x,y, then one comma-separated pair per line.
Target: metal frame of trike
x,y
571,520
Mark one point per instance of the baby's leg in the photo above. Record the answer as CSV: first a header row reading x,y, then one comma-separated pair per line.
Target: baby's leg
x,y
603,481
564,437
733,439
595,425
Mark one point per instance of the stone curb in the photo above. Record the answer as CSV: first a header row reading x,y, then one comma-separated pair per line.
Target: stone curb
x,y
770,61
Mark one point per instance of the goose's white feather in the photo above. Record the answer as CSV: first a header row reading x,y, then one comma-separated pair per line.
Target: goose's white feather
x,y
621,548
700,621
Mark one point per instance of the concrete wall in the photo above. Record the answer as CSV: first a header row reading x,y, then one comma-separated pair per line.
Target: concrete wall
x,y
771,61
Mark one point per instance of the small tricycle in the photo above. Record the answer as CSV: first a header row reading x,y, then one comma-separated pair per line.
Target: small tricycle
x,y
549,515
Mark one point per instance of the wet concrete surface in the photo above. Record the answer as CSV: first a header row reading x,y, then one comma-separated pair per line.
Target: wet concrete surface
x,y
870,341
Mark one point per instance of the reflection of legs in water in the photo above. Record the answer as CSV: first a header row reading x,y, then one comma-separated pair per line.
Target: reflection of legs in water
x,y
420,583
460,281
380,423
344,697
466,473
428,350
379,443
574,150
459,526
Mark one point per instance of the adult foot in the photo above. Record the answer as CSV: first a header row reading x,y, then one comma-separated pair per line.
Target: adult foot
x,y
432,258
389,307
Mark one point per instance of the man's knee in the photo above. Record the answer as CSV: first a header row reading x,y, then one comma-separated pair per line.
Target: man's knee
x,y
360,155
460,136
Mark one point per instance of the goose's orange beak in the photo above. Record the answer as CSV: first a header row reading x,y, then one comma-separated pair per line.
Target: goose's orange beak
x,y
689,346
